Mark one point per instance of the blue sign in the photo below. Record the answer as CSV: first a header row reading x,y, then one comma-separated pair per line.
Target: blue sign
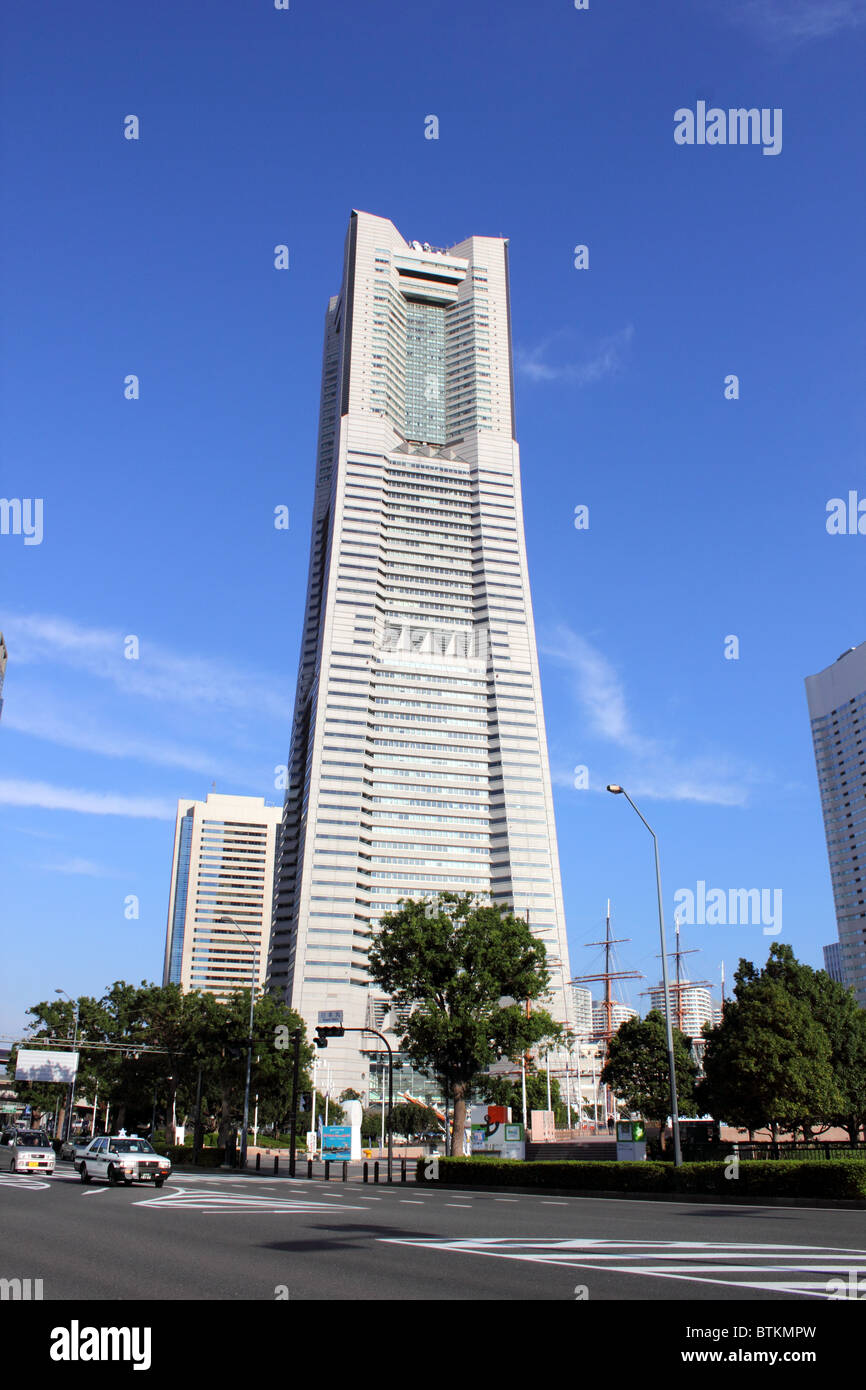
x,y
337,1141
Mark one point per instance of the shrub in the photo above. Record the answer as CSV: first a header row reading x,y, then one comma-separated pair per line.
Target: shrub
x,y
845,1178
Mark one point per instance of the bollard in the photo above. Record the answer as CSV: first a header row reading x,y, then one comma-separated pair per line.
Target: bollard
x,y
276,1164
309,1167
402,1170
366,1174
376,1171
345,1170
258,1162
327,1170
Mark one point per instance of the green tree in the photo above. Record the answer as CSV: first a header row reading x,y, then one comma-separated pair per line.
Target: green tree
x,y
466,970
834,1007
408,1119
508,1090
638,1072
769,1063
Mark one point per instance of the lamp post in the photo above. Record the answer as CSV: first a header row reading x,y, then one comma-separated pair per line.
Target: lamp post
x,y
675,1119
233,923
67,1128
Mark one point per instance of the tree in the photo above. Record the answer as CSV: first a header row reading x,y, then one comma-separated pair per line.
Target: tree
x,y
638,1071
350,1094
769,1063
408,1119
833,1006
466,971
508,1090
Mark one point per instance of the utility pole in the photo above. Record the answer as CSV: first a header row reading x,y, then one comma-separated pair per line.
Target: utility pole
x,y
296,1067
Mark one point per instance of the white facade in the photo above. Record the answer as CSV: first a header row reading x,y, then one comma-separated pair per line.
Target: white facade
x,y
223,865
837,710
418,760
583,1025
619,1014
694,1009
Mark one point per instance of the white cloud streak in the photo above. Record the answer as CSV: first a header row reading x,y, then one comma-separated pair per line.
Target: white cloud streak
x,y
159,675
605,358
51,798
650,768
798,21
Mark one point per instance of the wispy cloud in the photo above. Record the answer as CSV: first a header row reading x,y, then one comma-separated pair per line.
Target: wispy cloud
x,y
85,867
798,21
43,717
159,674
22,793
602,359
650,767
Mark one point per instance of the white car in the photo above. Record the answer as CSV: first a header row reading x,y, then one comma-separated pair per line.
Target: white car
x,y
123,1159
26,1151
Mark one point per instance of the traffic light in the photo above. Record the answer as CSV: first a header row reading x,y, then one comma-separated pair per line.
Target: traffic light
x,y
325,1031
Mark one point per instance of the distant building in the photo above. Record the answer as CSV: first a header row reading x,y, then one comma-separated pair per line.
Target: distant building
x,y
223,865
837,710
582,1011
694,1010
620,1013
833,962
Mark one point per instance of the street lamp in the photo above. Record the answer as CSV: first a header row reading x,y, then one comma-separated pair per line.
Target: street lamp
x,y
67,1128
231,921
675,1119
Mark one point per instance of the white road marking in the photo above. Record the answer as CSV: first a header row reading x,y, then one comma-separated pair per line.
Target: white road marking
x,y
232,1202
703,1262
22,1181
94,1192
410,1202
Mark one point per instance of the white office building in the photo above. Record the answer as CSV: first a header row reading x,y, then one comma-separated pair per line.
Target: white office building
x,y
418,758
222,866
837,710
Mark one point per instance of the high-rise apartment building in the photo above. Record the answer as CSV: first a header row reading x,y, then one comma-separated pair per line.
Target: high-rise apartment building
x,y
418,759
837,709
582,1010
619,1014
223,866
691,1006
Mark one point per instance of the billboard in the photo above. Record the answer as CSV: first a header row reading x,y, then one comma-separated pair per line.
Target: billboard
x,y
31,1065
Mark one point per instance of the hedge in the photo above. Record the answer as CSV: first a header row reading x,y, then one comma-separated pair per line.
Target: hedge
x,y
181,1154
844,1178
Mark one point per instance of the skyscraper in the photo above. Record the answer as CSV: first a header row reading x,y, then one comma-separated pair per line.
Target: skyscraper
x,y
837,709
418,759
223,866
833,962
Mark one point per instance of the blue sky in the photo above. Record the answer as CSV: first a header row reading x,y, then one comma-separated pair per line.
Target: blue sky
x,y
707,515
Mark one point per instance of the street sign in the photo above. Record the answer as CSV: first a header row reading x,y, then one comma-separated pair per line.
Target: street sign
x,y
337,1141
331,1016
33,1065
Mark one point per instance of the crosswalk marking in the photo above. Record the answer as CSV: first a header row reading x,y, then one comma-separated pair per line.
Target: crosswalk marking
x,y
705,1262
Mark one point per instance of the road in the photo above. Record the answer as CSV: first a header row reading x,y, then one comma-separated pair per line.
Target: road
x,y
233,1237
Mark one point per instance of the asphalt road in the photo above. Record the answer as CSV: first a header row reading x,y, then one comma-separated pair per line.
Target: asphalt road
x,y
231,1237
